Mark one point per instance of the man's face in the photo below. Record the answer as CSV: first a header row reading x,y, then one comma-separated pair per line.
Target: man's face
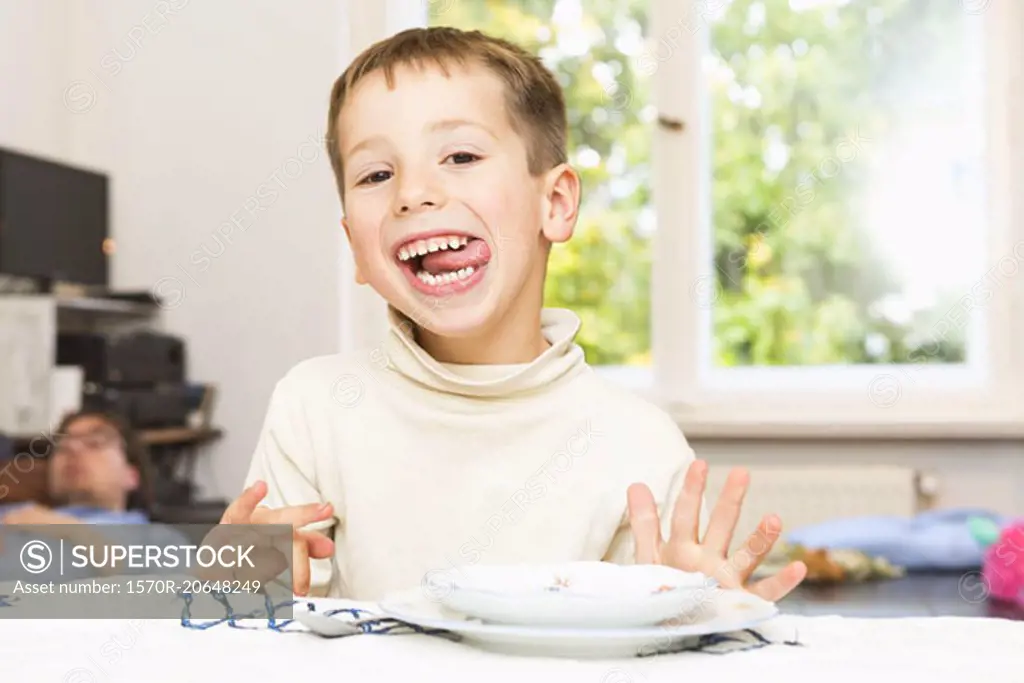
x,y
444,218
89,467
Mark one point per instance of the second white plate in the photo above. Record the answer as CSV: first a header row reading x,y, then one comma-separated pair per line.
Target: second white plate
x,y
723,611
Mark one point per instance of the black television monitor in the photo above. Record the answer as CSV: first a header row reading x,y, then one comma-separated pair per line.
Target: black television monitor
x,y
53,221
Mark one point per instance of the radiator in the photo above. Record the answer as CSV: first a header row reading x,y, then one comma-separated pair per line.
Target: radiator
x,y
802,496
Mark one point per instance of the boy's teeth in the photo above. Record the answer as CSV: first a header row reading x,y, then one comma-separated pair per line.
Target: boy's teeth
x,y
424,247
445,278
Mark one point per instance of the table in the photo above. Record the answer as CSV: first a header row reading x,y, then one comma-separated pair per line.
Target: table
x,y
876,645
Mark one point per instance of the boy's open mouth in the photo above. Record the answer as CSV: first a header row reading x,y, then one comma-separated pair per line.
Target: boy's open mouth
x,y
444,261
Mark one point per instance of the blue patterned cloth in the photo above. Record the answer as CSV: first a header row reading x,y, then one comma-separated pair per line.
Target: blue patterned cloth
x,y
371,624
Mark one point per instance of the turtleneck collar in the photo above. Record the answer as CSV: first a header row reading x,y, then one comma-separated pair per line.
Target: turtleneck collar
x,y
561,361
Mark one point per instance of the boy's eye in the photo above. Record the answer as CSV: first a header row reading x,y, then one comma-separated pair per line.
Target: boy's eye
x,y
463,158
375,177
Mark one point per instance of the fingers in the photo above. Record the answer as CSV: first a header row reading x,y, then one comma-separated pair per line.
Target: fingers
x,y
297,516
320,547
643,521
776,587
272,550
686,515
300,566
757,546
241,509
307,545
269,562
726,513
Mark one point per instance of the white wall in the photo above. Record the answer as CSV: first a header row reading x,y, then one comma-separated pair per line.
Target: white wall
x,y
191,113
34,55
211,121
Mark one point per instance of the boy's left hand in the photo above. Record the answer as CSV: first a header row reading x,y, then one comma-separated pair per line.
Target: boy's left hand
x,y
685,551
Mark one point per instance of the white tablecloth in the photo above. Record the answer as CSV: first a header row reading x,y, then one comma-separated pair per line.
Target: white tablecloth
x,y
834,649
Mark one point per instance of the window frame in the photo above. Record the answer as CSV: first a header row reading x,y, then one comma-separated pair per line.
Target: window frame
x,y
792,400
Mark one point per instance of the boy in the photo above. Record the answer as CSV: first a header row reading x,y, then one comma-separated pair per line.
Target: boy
x,y
476,432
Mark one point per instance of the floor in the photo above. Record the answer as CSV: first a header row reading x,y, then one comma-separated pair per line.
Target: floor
x,y
916,595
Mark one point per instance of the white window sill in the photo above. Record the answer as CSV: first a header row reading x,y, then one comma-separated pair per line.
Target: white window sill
x,y
798,430
830,417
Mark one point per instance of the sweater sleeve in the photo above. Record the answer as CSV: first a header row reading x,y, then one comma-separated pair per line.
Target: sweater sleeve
x,y
284,458
665,480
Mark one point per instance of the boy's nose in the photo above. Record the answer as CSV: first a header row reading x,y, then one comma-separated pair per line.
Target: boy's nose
x,y
417,194
406,208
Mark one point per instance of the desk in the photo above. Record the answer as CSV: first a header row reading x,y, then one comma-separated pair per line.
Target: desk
x,y
959,594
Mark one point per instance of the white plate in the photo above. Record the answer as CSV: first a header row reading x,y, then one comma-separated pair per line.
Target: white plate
x,y
722,611
572,594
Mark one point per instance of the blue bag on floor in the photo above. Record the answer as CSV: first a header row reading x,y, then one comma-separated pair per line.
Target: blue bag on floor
x,y
933,540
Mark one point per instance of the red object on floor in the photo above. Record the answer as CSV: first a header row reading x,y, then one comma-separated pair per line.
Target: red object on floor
x,y
1003,569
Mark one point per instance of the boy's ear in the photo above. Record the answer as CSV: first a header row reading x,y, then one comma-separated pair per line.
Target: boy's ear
x,y
359,276
562,203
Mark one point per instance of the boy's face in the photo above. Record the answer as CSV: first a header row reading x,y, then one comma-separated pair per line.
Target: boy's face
x,y
444,218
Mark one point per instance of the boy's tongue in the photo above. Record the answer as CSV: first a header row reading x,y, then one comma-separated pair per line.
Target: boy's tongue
x,y
475,254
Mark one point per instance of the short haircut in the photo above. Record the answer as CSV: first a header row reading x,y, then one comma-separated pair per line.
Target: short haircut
x,y
534,99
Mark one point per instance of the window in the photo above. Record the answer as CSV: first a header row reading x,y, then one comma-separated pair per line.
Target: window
x,y
846,182
841,245
794,210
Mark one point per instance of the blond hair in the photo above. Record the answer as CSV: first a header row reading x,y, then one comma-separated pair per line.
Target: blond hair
x,y
534,99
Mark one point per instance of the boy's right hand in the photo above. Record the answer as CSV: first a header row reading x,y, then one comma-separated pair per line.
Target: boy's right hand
x,y
305,545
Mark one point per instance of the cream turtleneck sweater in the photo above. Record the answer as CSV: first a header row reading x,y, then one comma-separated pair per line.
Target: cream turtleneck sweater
x,y
430,466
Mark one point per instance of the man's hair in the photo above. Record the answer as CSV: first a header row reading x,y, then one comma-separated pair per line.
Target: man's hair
x,y
534,98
